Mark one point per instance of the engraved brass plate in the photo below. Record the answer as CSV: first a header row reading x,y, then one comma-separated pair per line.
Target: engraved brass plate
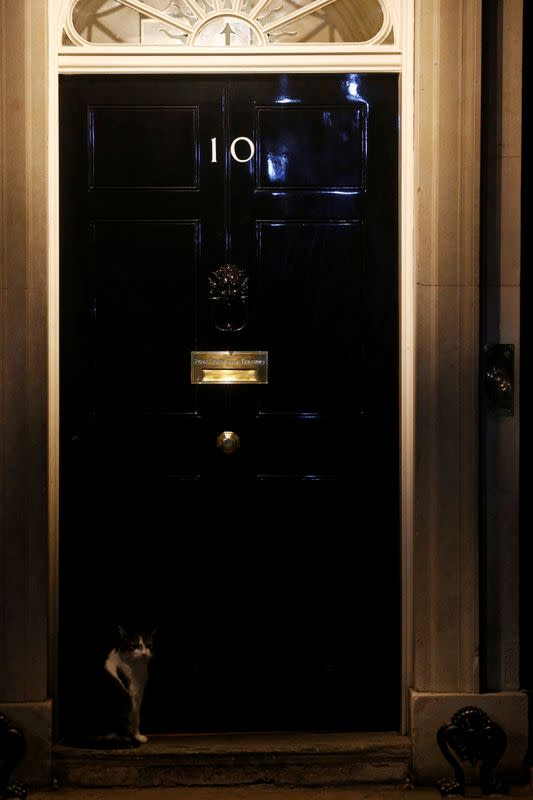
x,y
229,367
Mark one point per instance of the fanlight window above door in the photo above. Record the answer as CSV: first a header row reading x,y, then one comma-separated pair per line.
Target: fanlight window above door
x,y
229,23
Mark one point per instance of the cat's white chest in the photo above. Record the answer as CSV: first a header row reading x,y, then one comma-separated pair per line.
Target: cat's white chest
x,y
137,676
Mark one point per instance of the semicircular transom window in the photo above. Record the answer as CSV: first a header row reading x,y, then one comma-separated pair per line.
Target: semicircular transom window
x,y
227,23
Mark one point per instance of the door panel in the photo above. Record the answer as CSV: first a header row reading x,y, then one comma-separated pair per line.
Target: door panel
x,y
265,604
130,147
143,313
315,351
314,147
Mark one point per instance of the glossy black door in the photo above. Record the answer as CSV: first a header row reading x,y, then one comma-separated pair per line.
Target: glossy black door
x,y
277,607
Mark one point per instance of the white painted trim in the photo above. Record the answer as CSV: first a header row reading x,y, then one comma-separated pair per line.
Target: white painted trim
x,y
291,58
202,51
305,58
119,64
53,355
407,335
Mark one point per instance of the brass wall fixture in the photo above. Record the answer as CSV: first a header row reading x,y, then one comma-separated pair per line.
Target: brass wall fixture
x,y
228,442
227,367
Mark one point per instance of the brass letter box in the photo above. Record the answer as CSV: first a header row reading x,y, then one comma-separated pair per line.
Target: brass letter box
x,y
225,366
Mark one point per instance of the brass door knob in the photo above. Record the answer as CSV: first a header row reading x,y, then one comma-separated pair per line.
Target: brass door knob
x,y
228,442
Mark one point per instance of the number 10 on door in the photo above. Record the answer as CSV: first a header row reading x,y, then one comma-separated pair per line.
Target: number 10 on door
x,y
233,149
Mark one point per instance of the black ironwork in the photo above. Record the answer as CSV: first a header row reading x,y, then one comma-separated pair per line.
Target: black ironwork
x,y
228,291
498,379
12,749
474,738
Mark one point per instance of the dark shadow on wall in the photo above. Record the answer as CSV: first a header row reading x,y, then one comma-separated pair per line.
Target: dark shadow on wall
x,y
526,398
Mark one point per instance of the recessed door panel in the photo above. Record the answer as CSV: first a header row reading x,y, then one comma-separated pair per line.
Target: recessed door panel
x,y
230,217
315,147
135,146
142,275
315,354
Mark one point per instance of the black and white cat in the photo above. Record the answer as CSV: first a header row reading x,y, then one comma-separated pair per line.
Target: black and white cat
x,y
112,700
127,665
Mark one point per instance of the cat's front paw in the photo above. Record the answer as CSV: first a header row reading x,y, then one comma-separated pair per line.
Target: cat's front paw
x,y
141,738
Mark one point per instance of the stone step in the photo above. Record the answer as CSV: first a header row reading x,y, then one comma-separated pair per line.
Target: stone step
x,y
284,759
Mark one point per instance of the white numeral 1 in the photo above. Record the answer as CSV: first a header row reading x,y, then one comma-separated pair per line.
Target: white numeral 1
x,y
214,150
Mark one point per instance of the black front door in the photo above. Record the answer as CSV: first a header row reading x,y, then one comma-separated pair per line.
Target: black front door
x,y
253,219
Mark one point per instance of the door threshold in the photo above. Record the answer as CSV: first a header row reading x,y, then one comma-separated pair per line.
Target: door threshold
x,y
232,759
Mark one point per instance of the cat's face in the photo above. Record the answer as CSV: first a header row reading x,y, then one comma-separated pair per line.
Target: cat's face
x,y
135,646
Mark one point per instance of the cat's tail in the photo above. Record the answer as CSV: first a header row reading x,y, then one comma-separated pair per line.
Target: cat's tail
x,y
111,741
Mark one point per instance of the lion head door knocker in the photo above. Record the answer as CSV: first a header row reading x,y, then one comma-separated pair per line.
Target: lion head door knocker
x,y
228,293
474,738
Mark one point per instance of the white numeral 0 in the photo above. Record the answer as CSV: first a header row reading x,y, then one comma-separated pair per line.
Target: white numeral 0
x,y
233,149
250,144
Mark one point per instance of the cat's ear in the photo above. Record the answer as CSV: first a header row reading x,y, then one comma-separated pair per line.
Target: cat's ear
x,y
121,632
153,633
